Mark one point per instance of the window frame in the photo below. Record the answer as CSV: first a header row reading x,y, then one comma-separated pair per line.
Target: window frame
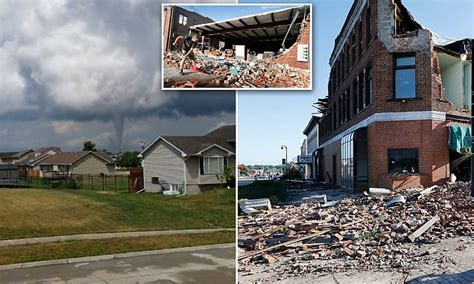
x,y
182,20
407,67
392,171
206,170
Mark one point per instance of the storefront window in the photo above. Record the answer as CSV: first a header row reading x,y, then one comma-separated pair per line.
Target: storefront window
x,y
403,161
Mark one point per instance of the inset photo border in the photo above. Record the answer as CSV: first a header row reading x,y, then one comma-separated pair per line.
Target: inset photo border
x,y
237,46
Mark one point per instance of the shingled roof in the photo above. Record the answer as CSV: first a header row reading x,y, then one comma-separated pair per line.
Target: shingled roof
x,y
69,158
223,137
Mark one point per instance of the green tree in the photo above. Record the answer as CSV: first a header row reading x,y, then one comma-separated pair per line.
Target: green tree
x,y
227,177
89,146
129,160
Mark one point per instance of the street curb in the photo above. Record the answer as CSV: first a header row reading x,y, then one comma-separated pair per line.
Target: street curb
x,y
110,256
101,236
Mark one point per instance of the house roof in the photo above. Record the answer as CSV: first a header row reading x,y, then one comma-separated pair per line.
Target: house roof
x,y
222,137
69,158
263,27
14,154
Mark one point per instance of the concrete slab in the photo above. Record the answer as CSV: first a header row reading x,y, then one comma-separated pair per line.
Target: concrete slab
x,y
171,76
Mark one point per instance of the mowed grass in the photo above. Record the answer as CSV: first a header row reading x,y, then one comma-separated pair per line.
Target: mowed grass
x,y
72,249
44,212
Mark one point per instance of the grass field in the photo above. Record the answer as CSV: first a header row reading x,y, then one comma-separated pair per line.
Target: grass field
x,y
44,212
38,252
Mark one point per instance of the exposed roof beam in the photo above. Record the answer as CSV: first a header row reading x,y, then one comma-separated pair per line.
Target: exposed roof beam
x,y
248,27
256,20
243,23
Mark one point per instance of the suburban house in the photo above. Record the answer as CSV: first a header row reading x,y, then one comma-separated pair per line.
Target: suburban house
x,y
399,97
33,168
188,164
12,158
77,163
12,163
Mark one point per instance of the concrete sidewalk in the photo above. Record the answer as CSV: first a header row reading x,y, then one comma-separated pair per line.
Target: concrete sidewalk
x,y
101,236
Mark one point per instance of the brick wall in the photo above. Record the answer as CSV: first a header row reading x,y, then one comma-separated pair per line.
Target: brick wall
x,y
430,137
290,57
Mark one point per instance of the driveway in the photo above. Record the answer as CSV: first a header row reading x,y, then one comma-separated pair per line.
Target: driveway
x,y
208,265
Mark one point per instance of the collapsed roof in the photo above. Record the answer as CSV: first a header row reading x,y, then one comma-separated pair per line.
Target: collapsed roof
x,y
269,28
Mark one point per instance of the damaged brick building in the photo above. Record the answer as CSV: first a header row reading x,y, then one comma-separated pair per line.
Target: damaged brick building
x,y
399,96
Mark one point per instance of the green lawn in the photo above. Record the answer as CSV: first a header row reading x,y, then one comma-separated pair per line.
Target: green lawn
x,y
72,249
44,212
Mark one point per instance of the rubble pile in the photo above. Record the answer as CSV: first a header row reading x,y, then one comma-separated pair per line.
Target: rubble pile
x,y
234,73
367,231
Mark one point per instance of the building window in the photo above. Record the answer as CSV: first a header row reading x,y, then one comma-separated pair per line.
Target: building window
x,y
367,27
212,165
155,180
368,86
347,161
405,77
354,98
359,36
403,161
360,84
183,20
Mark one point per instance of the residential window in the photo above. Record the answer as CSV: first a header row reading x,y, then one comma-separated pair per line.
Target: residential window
x,y
155,180
403,161
212,165
405,77
183,20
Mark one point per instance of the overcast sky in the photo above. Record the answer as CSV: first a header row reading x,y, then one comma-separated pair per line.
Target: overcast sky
x,y
72,71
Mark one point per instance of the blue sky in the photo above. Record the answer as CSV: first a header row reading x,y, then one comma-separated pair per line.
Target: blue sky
x,y
266,120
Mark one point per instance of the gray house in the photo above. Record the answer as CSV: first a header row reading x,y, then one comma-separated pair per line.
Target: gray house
x,y
188,164
77,163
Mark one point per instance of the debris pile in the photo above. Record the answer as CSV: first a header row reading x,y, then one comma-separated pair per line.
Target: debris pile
x,y
365,231
232,73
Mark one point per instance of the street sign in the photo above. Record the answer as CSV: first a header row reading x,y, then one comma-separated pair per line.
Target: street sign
x,y
305,159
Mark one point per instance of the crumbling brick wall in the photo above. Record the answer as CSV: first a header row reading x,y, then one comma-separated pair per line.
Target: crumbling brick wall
x,y
290,56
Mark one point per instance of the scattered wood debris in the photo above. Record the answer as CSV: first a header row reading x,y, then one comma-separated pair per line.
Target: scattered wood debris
x,y
360,230
233,73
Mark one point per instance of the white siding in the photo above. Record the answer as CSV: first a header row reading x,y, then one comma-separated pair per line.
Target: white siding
x,y
164,162
91,165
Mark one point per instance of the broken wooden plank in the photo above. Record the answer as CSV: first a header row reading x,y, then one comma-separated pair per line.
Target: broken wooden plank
x,y
423,228
282,244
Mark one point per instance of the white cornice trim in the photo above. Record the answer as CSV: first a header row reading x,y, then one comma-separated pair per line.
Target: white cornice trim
x,y
389,116
346,31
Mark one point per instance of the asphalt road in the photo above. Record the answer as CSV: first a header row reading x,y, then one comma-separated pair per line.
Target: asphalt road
x,y
216,265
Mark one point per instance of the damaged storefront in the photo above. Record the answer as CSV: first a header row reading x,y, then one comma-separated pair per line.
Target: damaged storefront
x,y
266,50
408,89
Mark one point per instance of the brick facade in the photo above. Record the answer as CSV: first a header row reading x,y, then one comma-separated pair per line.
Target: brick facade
x,y
428,136
368,50
290,57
